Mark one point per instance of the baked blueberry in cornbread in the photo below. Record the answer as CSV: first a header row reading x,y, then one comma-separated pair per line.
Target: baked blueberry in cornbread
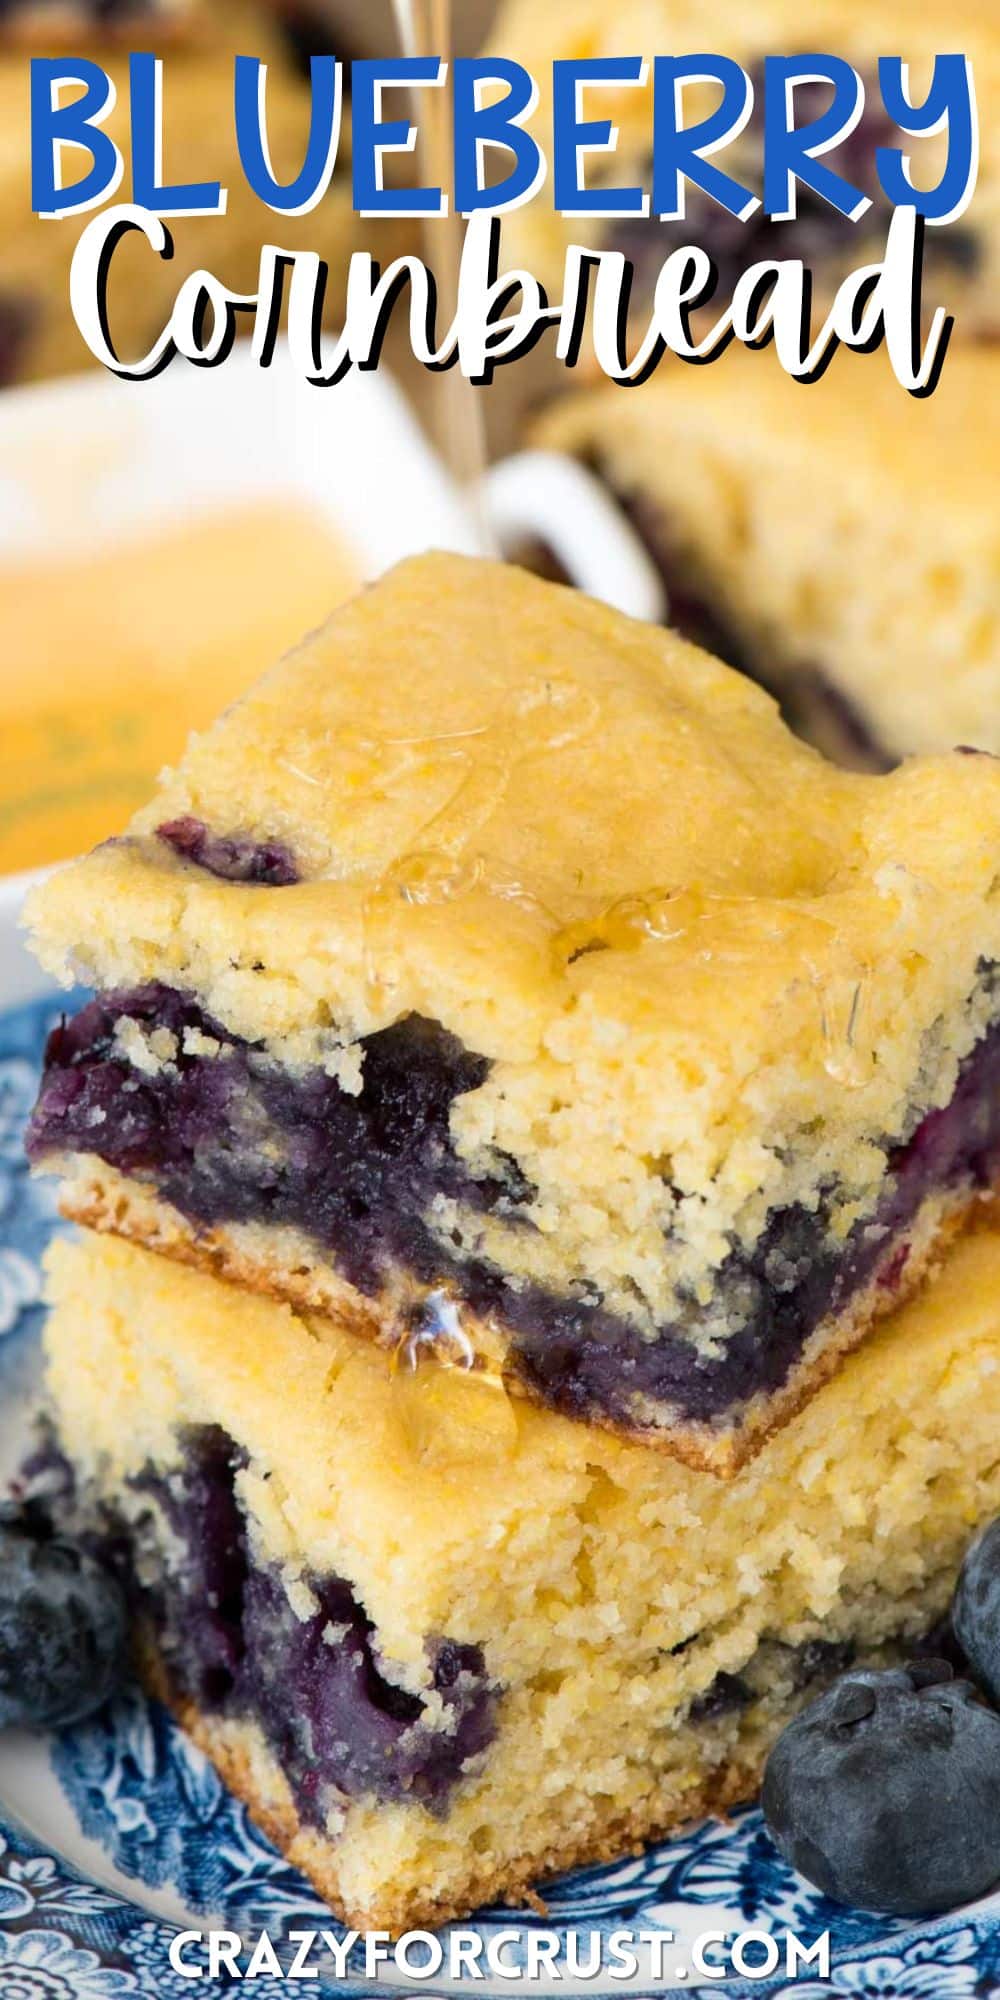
x,y
839,542
530,972
445,1642
960,258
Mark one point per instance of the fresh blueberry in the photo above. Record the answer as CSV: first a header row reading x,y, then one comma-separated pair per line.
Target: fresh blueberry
x,y
63,1626
975,1613
885,1793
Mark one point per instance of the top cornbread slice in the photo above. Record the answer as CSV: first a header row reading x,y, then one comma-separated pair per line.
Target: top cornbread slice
x,y
693,1003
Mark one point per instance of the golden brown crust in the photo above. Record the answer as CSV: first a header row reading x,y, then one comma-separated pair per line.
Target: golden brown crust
x,y
269,1801
103,1199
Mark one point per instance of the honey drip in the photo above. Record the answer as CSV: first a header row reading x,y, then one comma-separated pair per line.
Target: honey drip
x,y
452,1408
839,981
848,1052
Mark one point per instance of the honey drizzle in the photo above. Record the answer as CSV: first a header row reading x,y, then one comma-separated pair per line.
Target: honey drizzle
x,y
444,861
425,29
452,1407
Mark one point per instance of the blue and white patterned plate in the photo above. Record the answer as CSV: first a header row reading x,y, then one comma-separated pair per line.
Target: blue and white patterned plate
x,y
118,1833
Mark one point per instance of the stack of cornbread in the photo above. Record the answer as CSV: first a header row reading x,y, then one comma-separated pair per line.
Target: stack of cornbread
x,y
535,1320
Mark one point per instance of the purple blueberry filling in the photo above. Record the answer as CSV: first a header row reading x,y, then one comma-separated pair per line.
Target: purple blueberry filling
x,y
309,32
810,703
330,1714
315,1686
232,857
234,1138
725,1696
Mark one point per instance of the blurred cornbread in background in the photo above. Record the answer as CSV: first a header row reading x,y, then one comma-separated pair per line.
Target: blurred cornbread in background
x,y
838,542
82,23
962,260
38,335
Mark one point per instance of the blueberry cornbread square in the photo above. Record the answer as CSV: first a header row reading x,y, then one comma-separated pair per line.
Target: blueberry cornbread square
x,y
961,259
38,334
445,1643
501,959
838,542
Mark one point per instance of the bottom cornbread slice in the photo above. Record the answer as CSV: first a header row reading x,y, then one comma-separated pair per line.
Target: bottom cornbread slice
x,y
445,1643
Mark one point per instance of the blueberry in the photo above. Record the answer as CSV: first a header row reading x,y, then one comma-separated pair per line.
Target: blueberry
x,y
885,1793
63,1626
975,1613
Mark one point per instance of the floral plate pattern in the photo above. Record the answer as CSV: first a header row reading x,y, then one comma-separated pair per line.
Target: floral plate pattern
x,y
168,1831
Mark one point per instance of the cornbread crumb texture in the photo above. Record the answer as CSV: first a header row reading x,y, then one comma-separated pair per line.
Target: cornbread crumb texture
x,y
711,973
608,1587
848,528
132,1332
376,1875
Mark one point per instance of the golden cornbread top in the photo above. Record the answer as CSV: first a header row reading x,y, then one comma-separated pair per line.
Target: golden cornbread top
x,y
709,970
881,569
488,768
547,1537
